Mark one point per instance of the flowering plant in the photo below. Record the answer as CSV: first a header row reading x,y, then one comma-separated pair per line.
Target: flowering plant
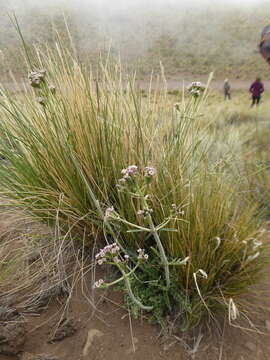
x,y
135,183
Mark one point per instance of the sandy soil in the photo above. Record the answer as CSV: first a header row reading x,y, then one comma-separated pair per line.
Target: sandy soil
x,y
109,333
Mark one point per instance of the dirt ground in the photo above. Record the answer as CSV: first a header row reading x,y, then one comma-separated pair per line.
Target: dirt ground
x,y
109,333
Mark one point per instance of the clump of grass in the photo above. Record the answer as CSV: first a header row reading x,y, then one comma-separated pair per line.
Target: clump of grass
x,y
65,155
36,262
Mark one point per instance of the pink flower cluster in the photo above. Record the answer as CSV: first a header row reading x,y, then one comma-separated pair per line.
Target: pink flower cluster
x,y
129,171
149,171
142,255
132,170
108,250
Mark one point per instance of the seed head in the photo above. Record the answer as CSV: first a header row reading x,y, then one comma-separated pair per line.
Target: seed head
x,y
142,255
36,78
52,89
109,211
196,88
40,100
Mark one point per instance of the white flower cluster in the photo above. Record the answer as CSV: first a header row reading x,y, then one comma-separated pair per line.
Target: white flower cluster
x,y
142,255
109,211
149,171
144,212
109,250
176,210
196,88
98,283
196,85
36,78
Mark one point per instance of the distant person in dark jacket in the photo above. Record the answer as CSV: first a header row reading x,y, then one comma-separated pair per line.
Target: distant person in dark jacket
x,y
256,90
227,90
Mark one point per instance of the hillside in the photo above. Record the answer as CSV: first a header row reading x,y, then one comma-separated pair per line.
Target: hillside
x,y
187,38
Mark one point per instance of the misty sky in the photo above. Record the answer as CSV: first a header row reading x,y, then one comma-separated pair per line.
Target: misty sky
x,y
183,33
122,3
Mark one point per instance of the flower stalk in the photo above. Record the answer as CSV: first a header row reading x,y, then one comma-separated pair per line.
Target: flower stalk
x,y
163,256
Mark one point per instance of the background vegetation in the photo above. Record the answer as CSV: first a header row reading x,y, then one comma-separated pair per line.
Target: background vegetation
x,y
194,37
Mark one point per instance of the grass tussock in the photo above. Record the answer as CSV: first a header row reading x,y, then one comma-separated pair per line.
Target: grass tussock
x,y
66,143
34,268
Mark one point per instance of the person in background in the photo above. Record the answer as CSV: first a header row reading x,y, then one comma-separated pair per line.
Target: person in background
x,y
227,90
256,89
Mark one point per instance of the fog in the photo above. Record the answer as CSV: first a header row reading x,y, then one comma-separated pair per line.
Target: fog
x,y
195,33
123,5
